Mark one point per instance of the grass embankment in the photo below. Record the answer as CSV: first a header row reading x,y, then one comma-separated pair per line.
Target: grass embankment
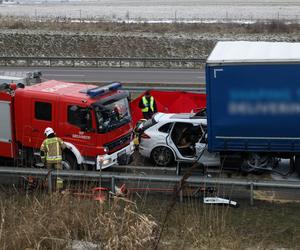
x,y
63,24
193,225
53,222
64,38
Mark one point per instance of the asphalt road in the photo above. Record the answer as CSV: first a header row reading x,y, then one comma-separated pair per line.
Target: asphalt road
x,y
124,75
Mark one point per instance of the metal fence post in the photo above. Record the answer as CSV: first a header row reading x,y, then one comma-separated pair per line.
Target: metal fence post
x,y
181,196
50,182
251,193
113,182
178,168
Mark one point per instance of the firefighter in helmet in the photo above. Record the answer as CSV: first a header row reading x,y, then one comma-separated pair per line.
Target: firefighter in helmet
x,y
51,152
148,105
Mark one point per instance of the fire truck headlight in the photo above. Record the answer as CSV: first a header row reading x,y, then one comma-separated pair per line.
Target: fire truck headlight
x,y
106,149
106,162
102,161
100,158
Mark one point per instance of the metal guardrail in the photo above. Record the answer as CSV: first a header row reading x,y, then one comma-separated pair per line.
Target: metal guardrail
x,y
104,62
136,89
99,175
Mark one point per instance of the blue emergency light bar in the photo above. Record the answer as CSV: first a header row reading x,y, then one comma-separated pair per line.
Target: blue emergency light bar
x,y
94,92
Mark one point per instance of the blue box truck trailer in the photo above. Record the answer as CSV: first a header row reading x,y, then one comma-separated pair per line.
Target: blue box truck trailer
x,y
253,102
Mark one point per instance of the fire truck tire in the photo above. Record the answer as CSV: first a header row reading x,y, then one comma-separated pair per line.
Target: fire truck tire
x,y
69,161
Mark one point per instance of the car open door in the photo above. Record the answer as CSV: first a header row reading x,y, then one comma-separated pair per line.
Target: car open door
x,y
180,139
203,156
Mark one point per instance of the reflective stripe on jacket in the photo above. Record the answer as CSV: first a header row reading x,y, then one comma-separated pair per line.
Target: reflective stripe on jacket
x,y
146,104
53,149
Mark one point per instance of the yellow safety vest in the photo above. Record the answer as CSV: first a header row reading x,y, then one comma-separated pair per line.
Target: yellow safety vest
x,y
146,104
52,149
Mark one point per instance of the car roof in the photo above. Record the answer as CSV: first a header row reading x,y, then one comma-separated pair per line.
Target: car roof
x,y
179,117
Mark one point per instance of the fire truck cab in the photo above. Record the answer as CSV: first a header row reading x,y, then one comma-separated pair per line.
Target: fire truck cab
x,y
95,123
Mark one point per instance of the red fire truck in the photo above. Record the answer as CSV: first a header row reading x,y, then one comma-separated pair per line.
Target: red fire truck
x,y
95,122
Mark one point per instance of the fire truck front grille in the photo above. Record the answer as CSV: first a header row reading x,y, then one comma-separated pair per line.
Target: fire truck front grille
x,y
114,145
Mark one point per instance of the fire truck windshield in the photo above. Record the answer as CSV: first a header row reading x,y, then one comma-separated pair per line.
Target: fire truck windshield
x,y
112,115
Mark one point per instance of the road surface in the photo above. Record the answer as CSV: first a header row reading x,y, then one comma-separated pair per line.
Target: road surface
x,y
126,75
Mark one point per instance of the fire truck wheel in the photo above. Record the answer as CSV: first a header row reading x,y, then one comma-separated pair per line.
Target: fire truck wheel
x,y
69,162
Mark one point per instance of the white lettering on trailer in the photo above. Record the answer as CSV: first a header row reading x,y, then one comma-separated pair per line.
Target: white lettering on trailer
x,y
58,87
264,108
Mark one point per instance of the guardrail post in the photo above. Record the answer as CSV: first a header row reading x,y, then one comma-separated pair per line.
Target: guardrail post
x,y
251,193
181,196
50,182
178,169
113,182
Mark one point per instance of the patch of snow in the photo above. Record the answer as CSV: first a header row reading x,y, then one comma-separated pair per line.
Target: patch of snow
x,y
159,11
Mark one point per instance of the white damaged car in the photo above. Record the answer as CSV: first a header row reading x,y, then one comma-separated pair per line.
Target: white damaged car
x,y
176,137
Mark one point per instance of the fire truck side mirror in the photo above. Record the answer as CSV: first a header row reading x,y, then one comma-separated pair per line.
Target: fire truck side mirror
x,y
87,125
129,98
20,85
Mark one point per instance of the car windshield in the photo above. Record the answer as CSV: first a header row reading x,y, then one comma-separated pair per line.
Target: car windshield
x,y
112,115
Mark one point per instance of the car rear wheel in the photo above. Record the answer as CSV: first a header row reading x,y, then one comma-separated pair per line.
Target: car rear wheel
x,y
162,156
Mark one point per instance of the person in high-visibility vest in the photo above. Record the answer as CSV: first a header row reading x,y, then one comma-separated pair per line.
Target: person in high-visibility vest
x,y
148,105
51,152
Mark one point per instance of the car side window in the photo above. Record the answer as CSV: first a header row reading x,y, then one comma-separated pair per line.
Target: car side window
x,y
165,128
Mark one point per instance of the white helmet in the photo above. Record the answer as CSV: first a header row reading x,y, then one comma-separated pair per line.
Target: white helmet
x,y
48,131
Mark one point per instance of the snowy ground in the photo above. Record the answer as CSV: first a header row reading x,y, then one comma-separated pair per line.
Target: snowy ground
x,y
158,10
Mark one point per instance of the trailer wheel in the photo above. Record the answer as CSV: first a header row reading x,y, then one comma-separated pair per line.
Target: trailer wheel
x,y
69,162
162,156
297,165
255,163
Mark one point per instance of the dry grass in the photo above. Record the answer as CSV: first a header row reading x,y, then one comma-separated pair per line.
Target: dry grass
x,y
25,37
273,26
53,222
193,225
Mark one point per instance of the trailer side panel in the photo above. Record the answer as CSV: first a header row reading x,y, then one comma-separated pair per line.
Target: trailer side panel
x,y
253,107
